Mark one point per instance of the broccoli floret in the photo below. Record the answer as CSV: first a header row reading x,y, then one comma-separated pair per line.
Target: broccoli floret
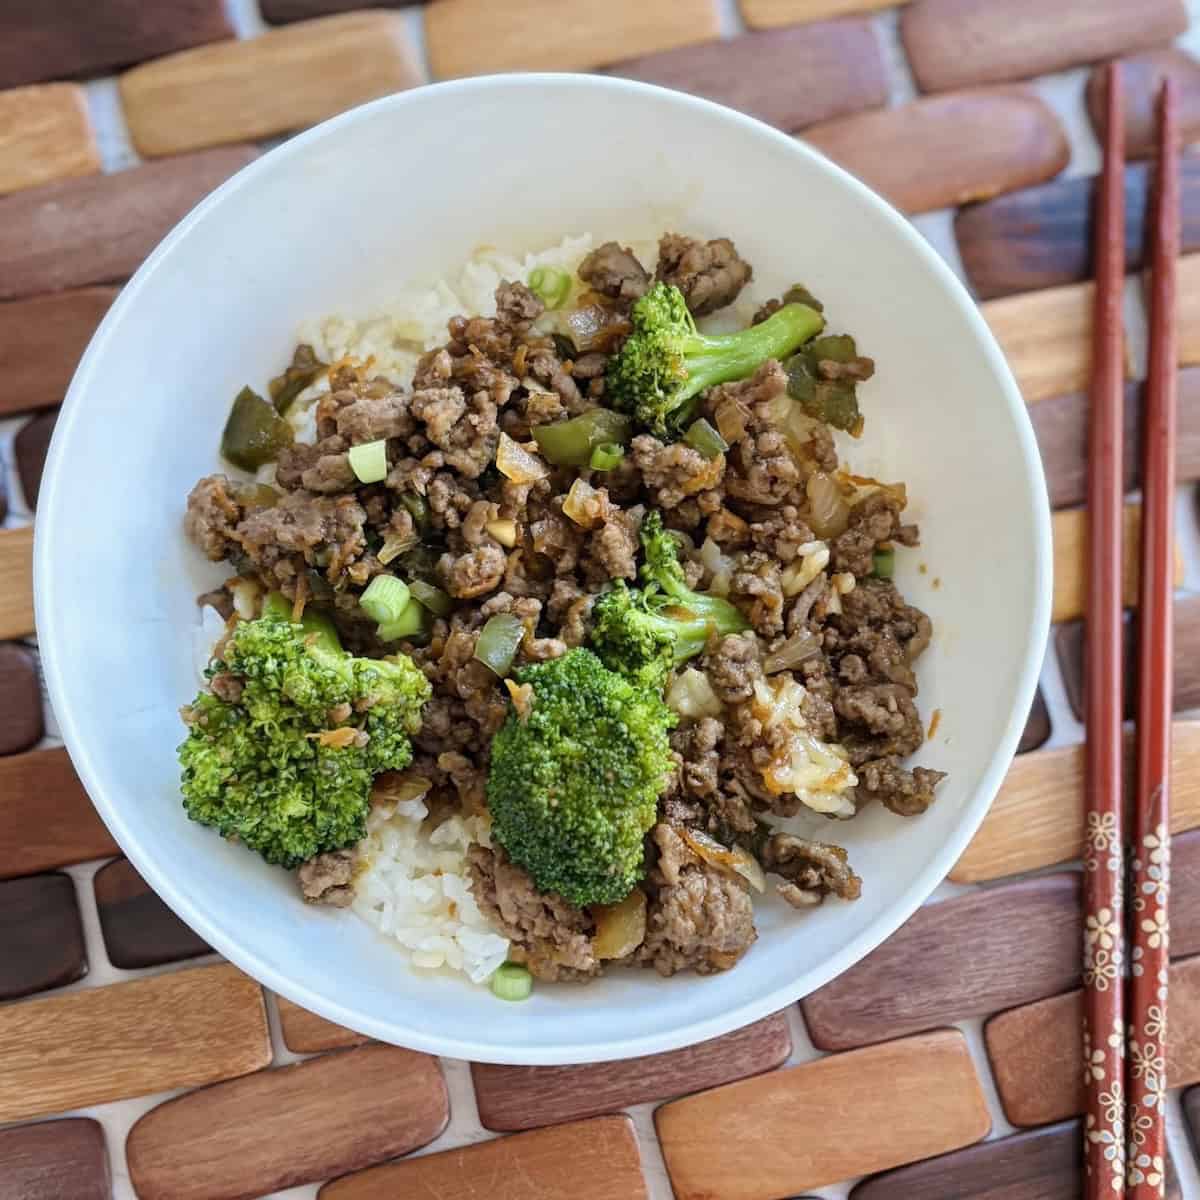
x,y
287,766
574,783
666,362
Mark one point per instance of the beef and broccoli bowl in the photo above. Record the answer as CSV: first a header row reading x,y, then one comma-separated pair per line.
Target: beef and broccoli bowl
x,y
558,634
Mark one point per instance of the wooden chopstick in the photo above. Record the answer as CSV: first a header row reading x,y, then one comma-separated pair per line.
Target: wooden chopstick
x,y
1103,949
1146,1083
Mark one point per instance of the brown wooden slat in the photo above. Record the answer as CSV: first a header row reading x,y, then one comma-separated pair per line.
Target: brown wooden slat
x,y
46,818
306,1033
41,938
947,150
55,1160
41,342
29,452
285,1127
1037,818
839,61
471,37
525,1097
766,14
1142,76
45,134
586,1160
1039,1164
977,954
841,1116
16,582
1041,236
280,12
283,80
20,699
1191,1110
40,40
1034,1050
139,929
100,1044
99,229
1037,727
962,43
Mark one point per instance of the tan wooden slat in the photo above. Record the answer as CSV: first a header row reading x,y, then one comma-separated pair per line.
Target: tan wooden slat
x,y
947,150
127,1039
841,1116
283,80
1189,309
45,134
16,582
585,1160
470,37
289,1126
306,1033
766,14
1037,819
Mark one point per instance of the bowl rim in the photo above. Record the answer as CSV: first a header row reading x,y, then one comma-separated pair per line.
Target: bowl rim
x,y
108,802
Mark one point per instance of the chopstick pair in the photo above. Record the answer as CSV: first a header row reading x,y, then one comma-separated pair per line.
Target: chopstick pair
x,y
1124,1063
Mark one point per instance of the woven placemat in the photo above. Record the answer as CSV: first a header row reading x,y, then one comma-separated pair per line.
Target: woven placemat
x,y
945,1066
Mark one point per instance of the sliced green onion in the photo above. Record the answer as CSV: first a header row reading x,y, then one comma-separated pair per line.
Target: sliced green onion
x,y
413,620
606,457
498,642
418,508
511,981
385,598
704,439
570,443
369,461
430,597
884,564
550,285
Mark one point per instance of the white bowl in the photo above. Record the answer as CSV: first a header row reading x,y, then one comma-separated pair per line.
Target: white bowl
x,y
402,190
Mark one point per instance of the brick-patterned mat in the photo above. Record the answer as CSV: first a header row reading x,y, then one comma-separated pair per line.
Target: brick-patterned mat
x,y
134,1063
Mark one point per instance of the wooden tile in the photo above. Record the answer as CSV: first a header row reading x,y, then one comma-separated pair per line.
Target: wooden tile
x,y
472,37
977,954
525,1097
962,43
283,80
1034,1050
100,1044
41,342
1189,309
1037,818
1070,575
281,1128
948,150
306,1033
41,938
279,12
840,62
586,1160
765,14
771,1136
45,134
1041,1164
139,929
20,699
16,582
99,229
1042,236
29,451
88,37
1037,727
54,1160
46,818
1141,76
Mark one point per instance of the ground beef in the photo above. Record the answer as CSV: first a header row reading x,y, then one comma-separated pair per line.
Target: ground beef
x,y
733,667
907,793
675,471
757,590
373,417
709,274
300,529
697,744
877,635
550,936
873,520
326,878
212,516
879,720
813,870
780,533
466,430
611,550
517,307
226,686
614,271
762,470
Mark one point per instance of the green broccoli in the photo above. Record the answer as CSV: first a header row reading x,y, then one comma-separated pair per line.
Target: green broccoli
x,y
666,362
575,778
644,633
286,764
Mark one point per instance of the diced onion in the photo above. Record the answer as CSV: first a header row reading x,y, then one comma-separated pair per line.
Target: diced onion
x,y
395,544
828,512
514,462
793,652
247,596
369,461
621,927
385,599
843,583
504,531
718,566
731,417
737,861
814,558
691,695
582,504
